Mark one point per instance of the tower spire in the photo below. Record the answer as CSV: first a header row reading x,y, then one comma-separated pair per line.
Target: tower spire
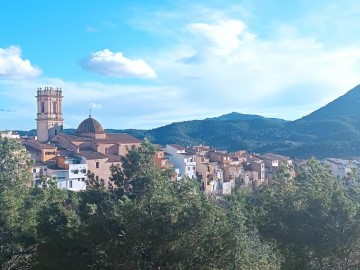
x,y
89,113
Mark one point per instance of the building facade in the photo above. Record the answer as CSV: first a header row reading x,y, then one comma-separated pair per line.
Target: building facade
x,y
49,120
69,158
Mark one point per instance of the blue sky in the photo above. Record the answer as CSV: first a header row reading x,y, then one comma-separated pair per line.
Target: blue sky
x,y
144,64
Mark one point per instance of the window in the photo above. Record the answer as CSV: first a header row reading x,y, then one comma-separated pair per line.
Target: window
x,y
54,107
70,184
34,170
106,150
97,165
42,107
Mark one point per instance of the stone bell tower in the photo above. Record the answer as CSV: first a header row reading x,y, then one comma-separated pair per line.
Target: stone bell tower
x,y
49,113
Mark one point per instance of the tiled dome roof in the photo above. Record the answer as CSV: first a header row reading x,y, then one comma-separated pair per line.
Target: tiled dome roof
x,y
90,125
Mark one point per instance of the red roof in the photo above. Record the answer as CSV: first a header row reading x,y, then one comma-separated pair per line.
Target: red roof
x,y
119,138
177,146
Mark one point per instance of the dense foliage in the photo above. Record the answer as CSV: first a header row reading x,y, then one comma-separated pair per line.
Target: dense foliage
x,y
145,220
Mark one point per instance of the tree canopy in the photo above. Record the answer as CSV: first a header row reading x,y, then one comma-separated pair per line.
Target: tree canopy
x,y
147,220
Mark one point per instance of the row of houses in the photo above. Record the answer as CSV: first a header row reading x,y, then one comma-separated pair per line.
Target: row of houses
x,y
68,158
342,167
219,172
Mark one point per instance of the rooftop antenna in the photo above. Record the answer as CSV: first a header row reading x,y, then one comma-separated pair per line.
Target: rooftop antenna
x,y
89,113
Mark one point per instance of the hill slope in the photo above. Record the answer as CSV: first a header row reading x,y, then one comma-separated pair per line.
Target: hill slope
x,y
333,130
345,108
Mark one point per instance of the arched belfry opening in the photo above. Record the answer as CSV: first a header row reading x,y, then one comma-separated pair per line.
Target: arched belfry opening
x,y
49,118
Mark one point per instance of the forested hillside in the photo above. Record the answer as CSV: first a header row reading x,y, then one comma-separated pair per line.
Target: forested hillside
x,y
146,221
333,130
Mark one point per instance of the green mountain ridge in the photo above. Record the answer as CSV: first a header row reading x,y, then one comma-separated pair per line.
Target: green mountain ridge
x,y
331,131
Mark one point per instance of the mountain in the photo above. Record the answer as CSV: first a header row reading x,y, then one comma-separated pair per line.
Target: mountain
x,y
345,108
331,131
337,122
241,116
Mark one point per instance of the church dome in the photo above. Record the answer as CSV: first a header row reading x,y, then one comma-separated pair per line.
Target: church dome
x,y
90,125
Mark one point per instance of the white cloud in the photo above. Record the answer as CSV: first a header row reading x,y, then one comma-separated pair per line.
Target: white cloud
x,y
221,64
96,105
116,64
12,66
123,106
224,36
208,67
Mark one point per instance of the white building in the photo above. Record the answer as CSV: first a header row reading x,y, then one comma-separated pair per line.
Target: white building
x,y
10,134
341,167
183,161
72,174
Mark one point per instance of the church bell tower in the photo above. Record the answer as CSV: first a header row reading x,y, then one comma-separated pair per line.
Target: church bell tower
x,y
49,113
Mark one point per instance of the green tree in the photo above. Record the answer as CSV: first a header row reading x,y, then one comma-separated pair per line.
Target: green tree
x,y
133,175
167,224
156,224
16,230
313,217
245,249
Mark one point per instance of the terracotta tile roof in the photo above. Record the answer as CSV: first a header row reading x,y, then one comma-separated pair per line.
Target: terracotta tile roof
x,y
31,149
76,138
222,154
37,145
271,156
202,148
90,125
92,155
121,138
177,146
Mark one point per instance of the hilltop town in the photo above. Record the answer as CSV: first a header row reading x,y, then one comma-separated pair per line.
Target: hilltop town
x,y
69,158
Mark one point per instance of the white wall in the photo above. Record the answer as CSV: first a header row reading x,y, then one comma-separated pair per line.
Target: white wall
x,y
185,163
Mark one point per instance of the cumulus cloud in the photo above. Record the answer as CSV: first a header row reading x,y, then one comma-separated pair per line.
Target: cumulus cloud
x,y
12,65
224,36
96,105
115,64
210,66
224,64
